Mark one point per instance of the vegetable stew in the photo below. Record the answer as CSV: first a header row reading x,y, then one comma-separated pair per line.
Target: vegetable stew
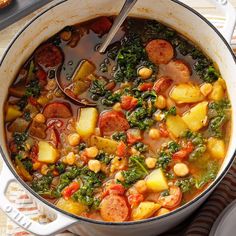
x,y
155,140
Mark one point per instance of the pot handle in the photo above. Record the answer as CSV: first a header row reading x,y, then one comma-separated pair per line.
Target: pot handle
x,y
60,223
230,15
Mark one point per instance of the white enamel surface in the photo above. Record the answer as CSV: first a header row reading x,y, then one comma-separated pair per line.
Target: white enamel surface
x,y
74,11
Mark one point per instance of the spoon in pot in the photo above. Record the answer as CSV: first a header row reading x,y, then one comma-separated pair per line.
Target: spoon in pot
x,y
128,5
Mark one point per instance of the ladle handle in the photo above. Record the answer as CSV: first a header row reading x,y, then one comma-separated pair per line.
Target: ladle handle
x,y
117,23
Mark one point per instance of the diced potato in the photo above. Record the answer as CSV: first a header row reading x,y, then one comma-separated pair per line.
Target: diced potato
x,y
12,113
156,181
216,148
85,69
196,117
186,93
86,124
217,91
71,206
47,153
144,210
80,86
176,125
107,145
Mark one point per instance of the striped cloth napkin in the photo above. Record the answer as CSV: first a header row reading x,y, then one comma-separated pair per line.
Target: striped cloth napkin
x,y
199,224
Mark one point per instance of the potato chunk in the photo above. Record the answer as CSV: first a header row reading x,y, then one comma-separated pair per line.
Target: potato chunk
x,y
186,93
144,210
47,153
71,206
196,117
86,124
12,113
107,145
216,148
217,91
176,125
156,181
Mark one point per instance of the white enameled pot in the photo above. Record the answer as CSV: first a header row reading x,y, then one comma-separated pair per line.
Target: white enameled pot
x,y
68,12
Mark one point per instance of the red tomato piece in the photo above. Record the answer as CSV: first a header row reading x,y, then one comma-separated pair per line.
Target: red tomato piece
x,y
173,200
145,86
57,110
112,121
162,84
128,102
135,199
41,75
32,101
113,208
34,152
121,149
184,152
131,139
70,190
101,26
163,130
116,189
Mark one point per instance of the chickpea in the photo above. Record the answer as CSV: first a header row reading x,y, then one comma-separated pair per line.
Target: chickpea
x,y
154,133
162,211
141,186
37,165
158,116
161,102
51,85
151,162
40,118
74,139
70,158
117,107
170,103
65,35
119,176
181,169
145,73
91,152
206,89
94,165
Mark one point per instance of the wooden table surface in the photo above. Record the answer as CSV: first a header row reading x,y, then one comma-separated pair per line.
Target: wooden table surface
x,y
6,35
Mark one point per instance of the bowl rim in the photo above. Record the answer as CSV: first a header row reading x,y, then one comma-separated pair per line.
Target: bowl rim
x,y
128,223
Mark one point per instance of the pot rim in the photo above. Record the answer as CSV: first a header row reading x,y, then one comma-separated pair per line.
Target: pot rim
x,y
79,218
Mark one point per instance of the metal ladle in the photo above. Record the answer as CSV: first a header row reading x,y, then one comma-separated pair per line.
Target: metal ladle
x,y
128,5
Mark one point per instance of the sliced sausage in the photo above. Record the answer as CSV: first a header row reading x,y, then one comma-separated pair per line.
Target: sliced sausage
x,y
113,208
179,70
57,110
162,84
159,51
48,55
112,121
173,199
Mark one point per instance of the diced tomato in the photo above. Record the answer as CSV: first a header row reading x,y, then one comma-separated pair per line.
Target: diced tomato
x,y
128,102
145,86
70,190
101,26
41,75
163,130
133,136
135,199
116,189
32,101
184,152
34,152
121,149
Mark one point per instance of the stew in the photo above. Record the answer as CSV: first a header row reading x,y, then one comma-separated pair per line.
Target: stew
x,y
155,140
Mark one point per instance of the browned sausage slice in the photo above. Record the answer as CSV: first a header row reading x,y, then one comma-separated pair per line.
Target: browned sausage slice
x,y
162,84
113,208
159,51
48,55
112,121
57,110
179,70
